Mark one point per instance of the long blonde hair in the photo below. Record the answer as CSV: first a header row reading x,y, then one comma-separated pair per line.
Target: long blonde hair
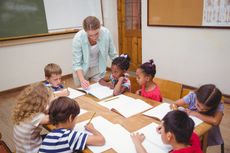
x,y
32,100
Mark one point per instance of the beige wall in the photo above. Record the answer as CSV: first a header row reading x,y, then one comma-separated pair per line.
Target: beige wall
x,y
23,64
192,56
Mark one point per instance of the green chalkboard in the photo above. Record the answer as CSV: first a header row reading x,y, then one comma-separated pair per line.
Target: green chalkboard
x,y
22,18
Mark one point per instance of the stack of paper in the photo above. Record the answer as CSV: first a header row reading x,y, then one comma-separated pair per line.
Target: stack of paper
x,y
161,110
74,93
126,106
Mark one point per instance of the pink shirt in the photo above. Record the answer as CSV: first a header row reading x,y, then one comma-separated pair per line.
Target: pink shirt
x,y
154,94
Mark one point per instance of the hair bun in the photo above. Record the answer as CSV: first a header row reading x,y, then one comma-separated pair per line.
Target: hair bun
x,y
151,61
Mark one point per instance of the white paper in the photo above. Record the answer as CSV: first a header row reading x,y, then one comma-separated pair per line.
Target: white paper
x,y
74,93
103,126
159,111
98,91
82,111
153,141
125,105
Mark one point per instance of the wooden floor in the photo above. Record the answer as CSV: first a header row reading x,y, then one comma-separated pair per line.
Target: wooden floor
x,y
8,100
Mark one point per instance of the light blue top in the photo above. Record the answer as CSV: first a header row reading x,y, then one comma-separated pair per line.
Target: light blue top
x,y
214,134
81,50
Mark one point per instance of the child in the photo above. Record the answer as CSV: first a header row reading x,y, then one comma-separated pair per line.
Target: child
x,y
205,104
145,74
53,79
176,129
29,115
119,78
63,114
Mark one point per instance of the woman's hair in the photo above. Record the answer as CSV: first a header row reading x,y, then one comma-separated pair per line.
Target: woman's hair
x,y
149,68
180,124
52,68
61,109
91,23
210,96
123,61
32,100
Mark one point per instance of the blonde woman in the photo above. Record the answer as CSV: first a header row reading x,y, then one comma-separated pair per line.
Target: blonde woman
x,y
90,48
28,116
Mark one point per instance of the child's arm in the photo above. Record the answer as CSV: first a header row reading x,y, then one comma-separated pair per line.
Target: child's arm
x,y
64,92
137,140
178,103
97,139
45,120
106,83
214,120
118,87
138,92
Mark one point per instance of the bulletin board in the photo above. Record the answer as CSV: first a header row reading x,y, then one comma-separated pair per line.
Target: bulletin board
x,y
189,13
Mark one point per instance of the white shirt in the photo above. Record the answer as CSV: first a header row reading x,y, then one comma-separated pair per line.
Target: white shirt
x,y
27,135
94,56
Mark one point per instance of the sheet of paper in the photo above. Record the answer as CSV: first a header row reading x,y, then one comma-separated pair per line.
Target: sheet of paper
x,y
125,105
74,93
153,141
103,126
159,111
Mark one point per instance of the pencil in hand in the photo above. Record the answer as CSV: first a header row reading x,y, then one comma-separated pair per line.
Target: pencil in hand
x,y
91,118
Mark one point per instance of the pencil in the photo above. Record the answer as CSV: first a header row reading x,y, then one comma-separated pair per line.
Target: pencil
x,y
111,99
92,117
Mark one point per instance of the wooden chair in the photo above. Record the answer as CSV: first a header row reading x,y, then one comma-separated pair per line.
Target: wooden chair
x,y
3,147
169,89
134,85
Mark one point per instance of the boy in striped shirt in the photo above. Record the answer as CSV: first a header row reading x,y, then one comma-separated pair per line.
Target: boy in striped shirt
x,y
63,114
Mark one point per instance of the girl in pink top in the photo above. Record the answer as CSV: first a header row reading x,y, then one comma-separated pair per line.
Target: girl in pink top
x,y
145,74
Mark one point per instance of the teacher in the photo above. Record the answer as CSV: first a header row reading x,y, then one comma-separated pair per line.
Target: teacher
x,y
91,48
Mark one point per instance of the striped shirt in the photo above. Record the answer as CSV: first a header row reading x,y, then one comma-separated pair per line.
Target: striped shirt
x,y
27,135
63,141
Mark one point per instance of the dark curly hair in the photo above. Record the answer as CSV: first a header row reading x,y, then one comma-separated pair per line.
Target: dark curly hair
x,y
149,68
123,61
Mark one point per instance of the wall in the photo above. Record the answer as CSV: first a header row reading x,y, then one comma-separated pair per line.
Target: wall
x,y
23,64
192,56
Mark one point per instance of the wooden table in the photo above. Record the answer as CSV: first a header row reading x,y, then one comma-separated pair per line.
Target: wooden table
x,y
132,123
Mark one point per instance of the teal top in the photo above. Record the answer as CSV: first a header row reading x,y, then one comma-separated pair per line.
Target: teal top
x,y
81,50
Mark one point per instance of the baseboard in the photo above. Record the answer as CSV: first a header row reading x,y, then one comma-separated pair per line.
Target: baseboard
x,y
64,77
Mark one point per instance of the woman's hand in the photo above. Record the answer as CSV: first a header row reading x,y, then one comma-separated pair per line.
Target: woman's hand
x,y
85,84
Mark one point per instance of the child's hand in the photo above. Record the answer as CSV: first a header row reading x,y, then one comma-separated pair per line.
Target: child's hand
x,y
65,92
121,79
137,138
138,92
173,107
111,86
89,127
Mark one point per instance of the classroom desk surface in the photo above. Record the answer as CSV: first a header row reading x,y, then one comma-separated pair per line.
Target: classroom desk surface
x,y
132,123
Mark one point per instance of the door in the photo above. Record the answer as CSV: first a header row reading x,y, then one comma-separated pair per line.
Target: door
x,y
129,30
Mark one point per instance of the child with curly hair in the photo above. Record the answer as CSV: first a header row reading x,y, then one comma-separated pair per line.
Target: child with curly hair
x,y
28,116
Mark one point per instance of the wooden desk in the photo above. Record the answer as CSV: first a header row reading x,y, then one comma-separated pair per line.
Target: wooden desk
x,y
132,123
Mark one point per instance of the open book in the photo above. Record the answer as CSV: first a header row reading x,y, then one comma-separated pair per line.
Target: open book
x,y
161,110
98,91
72,93
125,106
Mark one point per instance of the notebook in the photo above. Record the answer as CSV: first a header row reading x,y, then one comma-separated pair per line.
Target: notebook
x,y
98,91
153,141
125,106
73,93
161,110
